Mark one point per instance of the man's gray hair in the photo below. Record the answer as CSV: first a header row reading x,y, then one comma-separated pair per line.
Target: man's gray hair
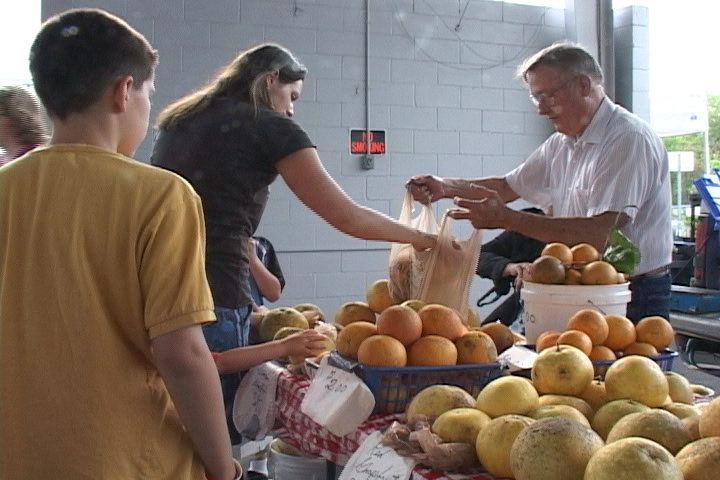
x,y
565,56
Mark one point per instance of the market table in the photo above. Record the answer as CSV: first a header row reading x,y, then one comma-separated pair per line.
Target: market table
x,y
298,430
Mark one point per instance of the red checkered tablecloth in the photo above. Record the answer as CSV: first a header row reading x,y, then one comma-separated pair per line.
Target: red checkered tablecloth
x,y
298,430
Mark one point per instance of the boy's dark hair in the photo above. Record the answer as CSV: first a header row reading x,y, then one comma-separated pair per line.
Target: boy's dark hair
x,y
79,53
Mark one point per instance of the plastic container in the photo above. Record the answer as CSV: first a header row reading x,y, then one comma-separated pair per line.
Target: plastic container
x,y
549,307
296,467
394,388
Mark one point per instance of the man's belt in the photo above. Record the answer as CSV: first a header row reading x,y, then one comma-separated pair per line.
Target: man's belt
x,y
655,273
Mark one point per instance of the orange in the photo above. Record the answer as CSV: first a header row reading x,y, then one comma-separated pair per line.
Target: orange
x,y
577,339
598,273
656,331
591,322
584,253
501,335
441,320
350,337
382,351
558,250
640,348
475,347
621,332
400,322
432,350
546,339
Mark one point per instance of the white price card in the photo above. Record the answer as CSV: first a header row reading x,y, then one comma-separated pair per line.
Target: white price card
x,y
375,461
517,358
254,403
338,400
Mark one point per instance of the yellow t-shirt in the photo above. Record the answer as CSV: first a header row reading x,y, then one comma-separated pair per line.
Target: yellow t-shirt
x,y
98,254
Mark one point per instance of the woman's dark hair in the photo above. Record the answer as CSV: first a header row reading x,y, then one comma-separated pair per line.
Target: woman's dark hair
x,y
80,53
243,79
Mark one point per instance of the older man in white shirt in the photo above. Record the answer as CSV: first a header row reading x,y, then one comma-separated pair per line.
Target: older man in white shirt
x,y
604,168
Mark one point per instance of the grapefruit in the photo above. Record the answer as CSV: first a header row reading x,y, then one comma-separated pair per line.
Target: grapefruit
x,y
621,332
382,351
591,322
441,320
400,322
475,347
350,338
432,350
378,296
558,250
656,331
598,273
547,269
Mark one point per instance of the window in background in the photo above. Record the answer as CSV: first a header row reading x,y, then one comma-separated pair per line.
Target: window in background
x,y
19,22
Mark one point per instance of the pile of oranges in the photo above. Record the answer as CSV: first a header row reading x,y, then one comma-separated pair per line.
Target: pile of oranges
x,y
577,265
434,335
609,337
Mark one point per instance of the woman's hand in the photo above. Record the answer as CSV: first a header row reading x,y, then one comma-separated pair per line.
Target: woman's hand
x,y
308,343
424,241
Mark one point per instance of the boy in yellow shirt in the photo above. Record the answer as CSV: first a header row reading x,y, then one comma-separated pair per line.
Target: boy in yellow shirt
x,y
104,370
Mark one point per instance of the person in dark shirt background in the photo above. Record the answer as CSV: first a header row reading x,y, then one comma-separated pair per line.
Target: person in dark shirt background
x,y
504,259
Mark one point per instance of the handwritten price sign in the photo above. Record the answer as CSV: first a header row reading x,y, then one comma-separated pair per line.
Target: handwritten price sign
x,y
332,384
337,400
374,461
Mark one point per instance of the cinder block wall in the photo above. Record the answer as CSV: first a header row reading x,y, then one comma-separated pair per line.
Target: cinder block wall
x,y
441,83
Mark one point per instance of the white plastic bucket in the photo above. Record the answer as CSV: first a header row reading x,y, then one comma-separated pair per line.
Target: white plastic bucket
x,y
549,307
296,467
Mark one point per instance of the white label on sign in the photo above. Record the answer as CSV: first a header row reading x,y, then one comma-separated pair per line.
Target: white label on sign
x,y
338,400
374,461
254,403
517,358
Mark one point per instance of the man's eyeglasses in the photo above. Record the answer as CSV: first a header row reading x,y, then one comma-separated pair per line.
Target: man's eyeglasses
x,y
547,97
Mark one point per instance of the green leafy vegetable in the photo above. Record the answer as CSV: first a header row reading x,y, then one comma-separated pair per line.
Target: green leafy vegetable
x,y
621,253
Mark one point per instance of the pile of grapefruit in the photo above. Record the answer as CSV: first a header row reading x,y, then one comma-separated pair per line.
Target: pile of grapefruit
x,y
563,424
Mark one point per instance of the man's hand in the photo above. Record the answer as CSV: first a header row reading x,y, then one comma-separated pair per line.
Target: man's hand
x,y
488,212
519,271
426,188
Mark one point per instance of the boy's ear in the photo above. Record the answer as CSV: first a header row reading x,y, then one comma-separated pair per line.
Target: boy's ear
x,y
121,93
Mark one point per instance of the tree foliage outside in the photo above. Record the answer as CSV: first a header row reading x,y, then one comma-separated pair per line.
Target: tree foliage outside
x,y
695,143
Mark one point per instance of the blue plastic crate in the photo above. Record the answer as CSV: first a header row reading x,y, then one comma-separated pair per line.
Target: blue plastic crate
x,y
394,388
664,361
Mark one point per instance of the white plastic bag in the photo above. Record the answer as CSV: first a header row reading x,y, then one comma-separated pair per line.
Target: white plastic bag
x,y
407,266
449,271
